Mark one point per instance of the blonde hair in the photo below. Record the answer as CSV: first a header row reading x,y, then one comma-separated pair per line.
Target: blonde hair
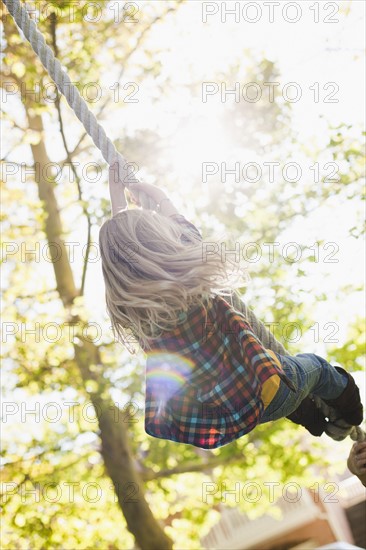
x,y
151,277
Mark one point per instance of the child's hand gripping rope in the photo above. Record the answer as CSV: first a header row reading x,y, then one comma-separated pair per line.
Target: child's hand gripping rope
x,y
117,188
163,204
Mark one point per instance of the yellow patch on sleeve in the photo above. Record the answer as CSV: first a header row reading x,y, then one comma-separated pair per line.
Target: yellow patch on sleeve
x,y
270,386
269,389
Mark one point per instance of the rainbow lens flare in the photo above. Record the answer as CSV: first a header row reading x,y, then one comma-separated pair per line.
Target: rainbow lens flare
x,y
166,373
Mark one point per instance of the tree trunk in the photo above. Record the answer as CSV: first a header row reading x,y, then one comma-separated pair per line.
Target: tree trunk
x,y
116,453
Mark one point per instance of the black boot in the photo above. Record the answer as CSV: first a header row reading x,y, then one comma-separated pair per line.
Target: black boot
x,y
348,404
308,415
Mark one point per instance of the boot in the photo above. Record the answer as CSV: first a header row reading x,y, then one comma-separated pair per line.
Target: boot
x,y
348,404
310,416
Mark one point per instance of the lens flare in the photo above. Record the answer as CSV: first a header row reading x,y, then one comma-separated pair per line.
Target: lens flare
x,y
166,373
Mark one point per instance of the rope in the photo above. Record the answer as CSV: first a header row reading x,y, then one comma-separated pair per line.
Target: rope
x,y
62,80
337,428
264,335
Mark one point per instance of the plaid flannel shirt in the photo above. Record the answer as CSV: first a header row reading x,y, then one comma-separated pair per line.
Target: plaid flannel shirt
x,y
204,379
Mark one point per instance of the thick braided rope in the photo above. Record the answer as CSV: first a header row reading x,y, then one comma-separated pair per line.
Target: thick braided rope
x,y
261,331
73,97
111,155
97,133
337,428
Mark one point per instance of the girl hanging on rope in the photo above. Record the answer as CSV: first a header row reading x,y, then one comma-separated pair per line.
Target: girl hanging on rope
x,y
209,380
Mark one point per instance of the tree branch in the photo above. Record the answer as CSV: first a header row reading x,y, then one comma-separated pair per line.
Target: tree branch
x,y
193,466
124,60
69,157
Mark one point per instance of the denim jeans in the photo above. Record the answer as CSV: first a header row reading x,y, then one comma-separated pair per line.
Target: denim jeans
x,y
310,374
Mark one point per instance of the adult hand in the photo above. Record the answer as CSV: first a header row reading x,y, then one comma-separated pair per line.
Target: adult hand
x,y
357,461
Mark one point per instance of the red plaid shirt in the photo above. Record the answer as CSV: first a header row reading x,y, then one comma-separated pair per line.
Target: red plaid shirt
x,y
204,378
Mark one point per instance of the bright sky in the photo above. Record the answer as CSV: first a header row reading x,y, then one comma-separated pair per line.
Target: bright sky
x,y
306,53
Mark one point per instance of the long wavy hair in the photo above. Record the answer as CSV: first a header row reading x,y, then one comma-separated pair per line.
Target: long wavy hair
x,y
152,277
